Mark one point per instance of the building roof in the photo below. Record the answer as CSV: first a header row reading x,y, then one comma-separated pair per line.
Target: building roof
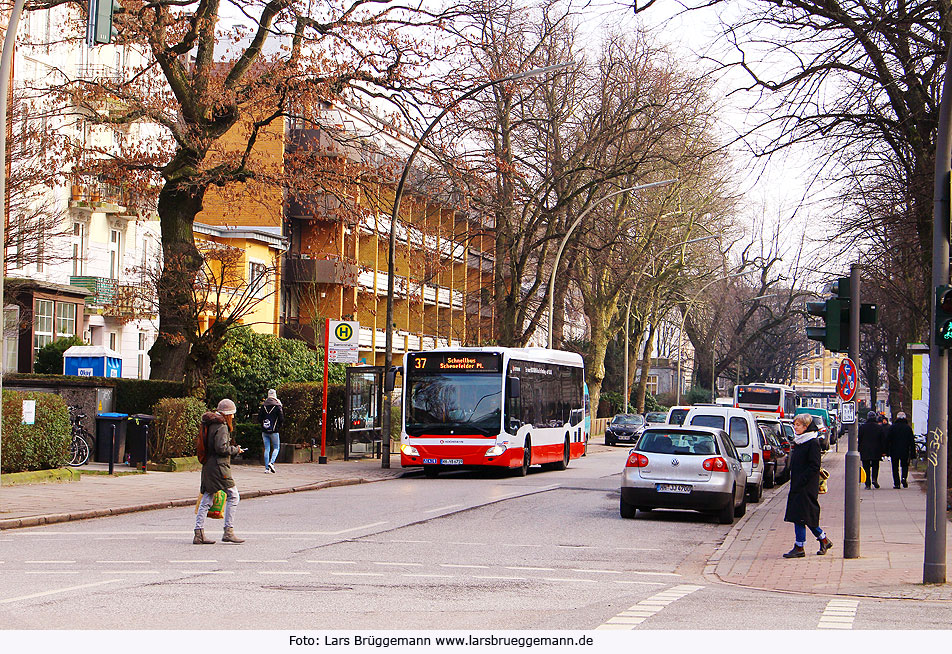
x,y
17,283
269,236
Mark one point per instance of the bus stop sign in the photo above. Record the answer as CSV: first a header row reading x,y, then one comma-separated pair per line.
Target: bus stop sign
x,y
846,380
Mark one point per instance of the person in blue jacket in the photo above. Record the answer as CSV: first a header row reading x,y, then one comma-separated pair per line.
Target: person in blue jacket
x,y
271,415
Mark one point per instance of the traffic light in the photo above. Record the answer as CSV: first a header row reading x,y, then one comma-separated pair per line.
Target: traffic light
x,y
835,333
943,317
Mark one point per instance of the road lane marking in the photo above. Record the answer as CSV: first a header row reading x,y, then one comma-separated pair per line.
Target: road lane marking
x,y
502,578
49,561
128,561
518,545
442,508
397,564
411,574
838,614
193,560
457,542
207,572
646,608
517,567
58,590
359,574
330,562
283,572
583,581
52,572
130,572
409,541
261,560
643,583
463,565
606,572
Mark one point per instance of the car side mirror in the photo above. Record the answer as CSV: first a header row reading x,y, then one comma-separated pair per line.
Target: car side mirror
x,y
390,378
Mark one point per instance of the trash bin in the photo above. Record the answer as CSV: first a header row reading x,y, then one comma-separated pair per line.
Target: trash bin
x,y
104,424
138,428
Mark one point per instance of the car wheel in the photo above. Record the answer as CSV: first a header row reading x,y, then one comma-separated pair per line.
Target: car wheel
x,y
755,493
741,509
523,470
431,471
726,515
769,477
627,510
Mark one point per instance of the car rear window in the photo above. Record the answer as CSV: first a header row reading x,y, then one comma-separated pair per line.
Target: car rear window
x,y
772,428
677,443
740,435
717,422
677,416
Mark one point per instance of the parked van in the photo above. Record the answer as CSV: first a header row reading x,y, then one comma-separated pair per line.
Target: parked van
x,y
744,433
676,415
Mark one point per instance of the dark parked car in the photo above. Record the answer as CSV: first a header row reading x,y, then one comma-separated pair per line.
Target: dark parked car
x,y
624,428
776,457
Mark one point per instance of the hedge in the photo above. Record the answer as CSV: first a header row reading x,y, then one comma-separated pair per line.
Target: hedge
x,y
302,412
140,395
248,435
177,422
40,446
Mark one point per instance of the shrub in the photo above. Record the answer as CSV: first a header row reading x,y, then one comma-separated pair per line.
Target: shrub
x,y
39,446
49,360
652,404
177,422
217,391
252,363
302,412
140,395
697,395
248,434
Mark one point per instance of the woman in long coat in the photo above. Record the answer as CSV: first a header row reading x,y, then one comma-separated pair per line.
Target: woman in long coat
x,y
803,505
216,471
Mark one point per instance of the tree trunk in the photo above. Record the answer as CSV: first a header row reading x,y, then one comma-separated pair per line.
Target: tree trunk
x,y
178,322
601,335
645,369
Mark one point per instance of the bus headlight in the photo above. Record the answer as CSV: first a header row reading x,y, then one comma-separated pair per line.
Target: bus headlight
x,y
495,450
409,450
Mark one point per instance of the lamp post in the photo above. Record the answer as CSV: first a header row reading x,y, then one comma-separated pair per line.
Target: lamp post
x,y
6,61
684,317
392,245
565,239
628,310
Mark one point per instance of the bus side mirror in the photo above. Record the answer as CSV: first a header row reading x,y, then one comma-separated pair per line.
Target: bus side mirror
x,y
515,387
390,378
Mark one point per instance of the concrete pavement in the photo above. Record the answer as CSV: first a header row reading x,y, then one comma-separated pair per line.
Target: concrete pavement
x,y
892,523
892,541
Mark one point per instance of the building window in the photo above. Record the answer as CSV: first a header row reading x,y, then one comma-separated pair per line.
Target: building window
x,y
79,248
805,374
816,373
652,385
114,341
42,323
65,319
817,350
833,372
258,278
143,347
115,253
40,254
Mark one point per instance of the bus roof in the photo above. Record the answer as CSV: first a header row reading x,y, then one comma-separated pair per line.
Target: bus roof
x,y
540,354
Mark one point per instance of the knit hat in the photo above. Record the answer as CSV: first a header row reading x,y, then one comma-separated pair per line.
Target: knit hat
x,y
272,394
226,407
901,415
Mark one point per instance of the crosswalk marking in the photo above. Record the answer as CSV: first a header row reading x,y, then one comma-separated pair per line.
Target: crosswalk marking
x,y
635,615
838,614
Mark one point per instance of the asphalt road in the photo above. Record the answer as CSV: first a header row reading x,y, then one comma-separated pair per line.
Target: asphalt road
x,y
464,551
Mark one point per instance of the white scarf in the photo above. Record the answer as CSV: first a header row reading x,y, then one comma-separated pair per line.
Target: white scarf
x,y
800,439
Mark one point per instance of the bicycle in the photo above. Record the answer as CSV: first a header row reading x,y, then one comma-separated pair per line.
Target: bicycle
x,y
79,448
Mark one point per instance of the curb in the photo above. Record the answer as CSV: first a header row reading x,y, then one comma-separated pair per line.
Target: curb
x,y
40,476
35,521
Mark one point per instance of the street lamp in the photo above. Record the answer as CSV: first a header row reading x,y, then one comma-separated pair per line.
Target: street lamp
x,y
628,310
684,317
565,239
392,246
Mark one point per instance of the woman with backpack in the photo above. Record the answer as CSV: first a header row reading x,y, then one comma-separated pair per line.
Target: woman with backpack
x,y
271,415
216,449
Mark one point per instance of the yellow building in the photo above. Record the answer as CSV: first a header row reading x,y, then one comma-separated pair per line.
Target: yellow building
x,y
815,380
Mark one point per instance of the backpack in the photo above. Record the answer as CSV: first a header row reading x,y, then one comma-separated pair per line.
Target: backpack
x,y
200,447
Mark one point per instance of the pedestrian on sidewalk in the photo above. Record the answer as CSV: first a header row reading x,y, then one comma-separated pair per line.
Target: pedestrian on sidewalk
x,y
271,415
901,446
872,447
216,471
803,504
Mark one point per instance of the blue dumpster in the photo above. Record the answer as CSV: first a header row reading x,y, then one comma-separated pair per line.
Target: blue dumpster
x,y
92,361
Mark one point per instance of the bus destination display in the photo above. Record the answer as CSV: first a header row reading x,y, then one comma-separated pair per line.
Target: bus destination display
x,y
454,362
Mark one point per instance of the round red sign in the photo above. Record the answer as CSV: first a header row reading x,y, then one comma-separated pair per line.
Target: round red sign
x,y
846,380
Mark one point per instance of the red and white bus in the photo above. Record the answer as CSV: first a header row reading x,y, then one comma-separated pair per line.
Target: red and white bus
x,y
487,406
767,398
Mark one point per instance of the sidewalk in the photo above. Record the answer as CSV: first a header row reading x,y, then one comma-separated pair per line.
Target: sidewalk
x,y
892,541
96,496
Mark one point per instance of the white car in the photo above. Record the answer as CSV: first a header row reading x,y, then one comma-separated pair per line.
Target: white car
x,y
744,433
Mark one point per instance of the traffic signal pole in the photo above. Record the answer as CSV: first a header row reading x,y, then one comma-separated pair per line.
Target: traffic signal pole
x,y
933,565
851,505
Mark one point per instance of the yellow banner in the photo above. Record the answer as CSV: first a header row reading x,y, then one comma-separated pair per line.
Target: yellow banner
x,y
917,376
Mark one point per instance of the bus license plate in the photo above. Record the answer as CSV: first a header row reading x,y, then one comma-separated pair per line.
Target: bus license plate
x,y
452,462
674,488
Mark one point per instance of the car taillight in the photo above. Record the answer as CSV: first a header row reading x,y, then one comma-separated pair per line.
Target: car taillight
x,y
716,464
636,460
766,454
756,458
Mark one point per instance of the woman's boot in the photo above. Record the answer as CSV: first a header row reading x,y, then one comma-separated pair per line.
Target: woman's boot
x,y
200,538
825,545
230,537
796,553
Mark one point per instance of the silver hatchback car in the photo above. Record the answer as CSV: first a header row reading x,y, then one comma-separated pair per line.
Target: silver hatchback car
x,y
695,468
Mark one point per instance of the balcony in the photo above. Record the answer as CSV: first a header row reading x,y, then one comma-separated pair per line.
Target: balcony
x,y
102,289
316,206
298,270
324,143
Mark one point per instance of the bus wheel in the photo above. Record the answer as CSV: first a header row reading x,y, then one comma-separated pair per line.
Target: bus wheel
x,y
564,463
523,470
431,471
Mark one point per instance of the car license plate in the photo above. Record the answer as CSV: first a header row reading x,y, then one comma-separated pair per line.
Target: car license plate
x,y
452,462
674,488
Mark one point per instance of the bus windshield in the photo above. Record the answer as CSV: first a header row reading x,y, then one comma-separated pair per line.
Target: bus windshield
x,y
469,403
757,397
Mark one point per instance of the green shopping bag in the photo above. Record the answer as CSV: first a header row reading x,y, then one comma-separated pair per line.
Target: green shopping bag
x,y
217,510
